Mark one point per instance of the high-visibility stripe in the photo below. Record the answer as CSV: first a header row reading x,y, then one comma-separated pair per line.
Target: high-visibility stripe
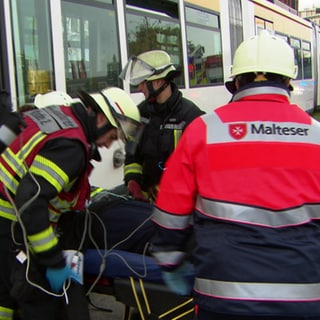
x,y
43,241
8,180
171,221
7,211
133,168
14,162
169,258
6,313
50,171
259,291
95,191
30,145
257,216
176,136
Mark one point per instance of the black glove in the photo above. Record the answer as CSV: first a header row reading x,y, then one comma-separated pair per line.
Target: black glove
x,y
15,122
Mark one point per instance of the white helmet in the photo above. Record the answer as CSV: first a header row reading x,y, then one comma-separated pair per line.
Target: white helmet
x,y
118,107
52,98
264,53
148,66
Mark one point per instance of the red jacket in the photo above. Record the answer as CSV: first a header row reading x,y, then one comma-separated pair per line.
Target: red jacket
x,y
246,180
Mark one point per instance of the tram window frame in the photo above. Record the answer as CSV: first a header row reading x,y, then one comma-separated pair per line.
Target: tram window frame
x,y
87,72
201,27
150,11
236,24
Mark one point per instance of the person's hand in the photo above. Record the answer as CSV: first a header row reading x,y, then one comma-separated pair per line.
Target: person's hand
x,y
57,276
135,190
180,280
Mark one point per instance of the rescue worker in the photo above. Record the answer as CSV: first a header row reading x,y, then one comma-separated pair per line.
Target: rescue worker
x,y
165,112
44,173
244,180
11,122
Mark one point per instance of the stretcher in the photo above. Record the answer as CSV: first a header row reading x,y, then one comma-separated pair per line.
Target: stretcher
x,y
134,280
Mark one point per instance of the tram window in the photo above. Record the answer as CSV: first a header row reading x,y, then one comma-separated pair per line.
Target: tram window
x,y
154,25
32,48
296,45
307,60
91,47
204,47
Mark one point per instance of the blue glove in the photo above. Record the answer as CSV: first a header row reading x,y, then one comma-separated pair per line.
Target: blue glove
x,y
180,280
57,277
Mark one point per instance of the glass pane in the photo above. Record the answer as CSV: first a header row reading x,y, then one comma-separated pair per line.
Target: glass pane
x,y
296,44
150,30
204,52
92,58
202,17
307,66
34,66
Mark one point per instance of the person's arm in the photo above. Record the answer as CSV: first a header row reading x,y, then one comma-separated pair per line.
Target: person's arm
x,y
173,212
51,171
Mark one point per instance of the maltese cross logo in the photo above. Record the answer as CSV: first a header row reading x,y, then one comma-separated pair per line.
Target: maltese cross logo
x,y
237,130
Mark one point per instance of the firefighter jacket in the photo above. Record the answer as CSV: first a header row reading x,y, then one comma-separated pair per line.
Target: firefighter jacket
x,y
164,124
245,181
44,178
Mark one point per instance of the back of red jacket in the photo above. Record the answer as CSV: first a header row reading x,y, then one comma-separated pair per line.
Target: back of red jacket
x,y
246,180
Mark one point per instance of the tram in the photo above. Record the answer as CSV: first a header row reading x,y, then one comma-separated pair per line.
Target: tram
x,y
70,45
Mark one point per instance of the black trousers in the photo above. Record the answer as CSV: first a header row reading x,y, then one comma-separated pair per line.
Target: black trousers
x,y
7,256
33,304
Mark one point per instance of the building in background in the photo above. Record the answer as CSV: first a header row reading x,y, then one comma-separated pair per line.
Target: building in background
x,y
290,5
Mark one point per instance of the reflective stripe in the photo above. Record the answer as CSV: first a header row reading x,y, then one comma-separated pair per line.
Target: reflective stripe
x,y
30,145
258,216
96,190
260,90
8,180
7,135
50,171
171,221
14,162
177,135
259,291
169,258
7,211
6,313
172,126
43,241
133,168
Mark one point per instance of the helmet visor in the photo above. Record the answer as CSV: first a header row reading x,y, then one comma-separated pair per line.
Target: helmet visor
x,y
136,71
128,129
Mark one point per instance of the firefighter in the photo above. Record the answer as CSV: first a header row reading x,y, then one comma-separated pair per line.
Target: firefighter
x,y
165,113
44,173
244,180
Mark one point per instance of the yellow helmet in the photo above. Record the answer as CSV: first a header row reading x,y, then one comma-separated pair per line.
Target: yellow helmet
x,y
52,98
148,66
118,107
264,53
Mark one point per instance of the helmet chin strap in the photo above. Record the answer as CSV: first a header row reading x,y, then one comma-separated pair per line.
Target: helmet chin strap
x,y
154,93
